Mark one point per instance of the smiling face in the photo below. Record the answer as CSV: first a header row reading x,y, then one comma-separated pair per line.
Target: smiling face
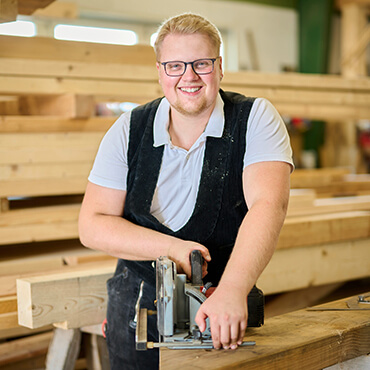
x,y
190,94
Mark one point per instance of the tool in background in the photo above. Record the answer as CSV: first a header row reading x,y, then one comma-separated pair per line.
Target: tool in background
x,y
178,301
360,303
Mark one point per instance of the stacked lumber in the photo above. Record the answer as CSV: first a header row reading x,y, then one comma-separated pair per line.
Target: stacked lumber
x,y
331,182
47,146
39,67
323,240
49,135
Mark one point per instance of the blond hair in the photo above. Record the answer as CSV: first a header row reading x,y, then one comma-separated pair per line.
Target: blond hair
x,y
187,24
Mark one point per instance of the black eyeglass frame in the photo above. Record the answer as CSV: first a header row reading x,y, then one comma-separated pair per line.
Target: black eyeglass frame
x,y
164,64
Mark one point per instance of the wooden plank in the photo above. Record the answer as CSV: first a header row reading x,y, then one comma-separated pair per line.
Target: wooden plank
x,y
72,261
314,265
51,49
137,73
296,80
321,112
66,105
8,10
302,339
298,299
324,228
289,269
79,69
34,263
328,205
24,348
9,320
354,20
38,124
43,223
49,147
75,298
312,178
141,92
43,187
109,90
21,331
29,171
345,188
300,198
8,304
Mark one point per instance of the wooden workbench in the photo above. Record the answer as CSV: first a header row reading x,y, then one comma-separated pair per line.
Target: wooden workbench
x,y
300,340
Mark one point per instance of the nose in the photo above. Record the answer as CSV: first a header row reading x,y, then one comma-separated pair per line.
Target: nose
x,y
189,73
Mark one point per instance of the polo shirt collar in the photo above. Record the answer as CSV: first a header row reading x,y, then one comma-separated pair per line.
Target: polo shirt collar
x,y
214,128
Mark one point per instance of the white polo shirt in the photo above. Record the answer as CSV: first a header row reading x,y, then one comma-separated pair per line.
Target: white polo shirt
x,y
177,187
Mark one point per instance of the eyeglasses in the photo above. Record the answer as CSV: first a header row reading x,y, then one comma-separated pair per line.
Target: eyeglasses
x,y
199,66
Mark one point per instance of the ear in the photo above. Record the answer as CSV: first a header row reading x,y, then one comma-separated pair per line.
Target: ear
x,y
159,71
221,71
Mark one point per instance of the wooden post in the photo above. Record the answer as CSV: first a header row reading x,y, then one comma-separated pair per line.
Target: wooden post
x,y
64,349
353,36
354,39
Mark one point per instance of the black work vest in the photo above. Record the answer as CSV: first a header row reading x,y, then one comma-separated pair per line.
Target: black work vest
x,y
220,206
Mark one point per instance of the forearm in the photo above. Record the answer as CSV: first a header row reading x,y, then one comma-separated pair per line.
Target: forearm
x,y
123,239
255,245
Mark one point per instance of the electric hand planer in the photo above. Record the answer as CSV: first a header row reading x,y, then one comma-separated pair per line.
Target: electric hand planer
x,y
177,302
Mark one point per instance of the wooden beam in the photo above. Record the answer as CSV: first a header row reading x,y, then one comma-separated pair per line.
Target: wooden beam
x,y
301,198
354,20
302,339
74,299
47,224
331,97
21,331
114,90
8,304
24,348
314,265
8,10
324,228
9,320
328,205
52,49
289,269
8,282
312,178
298,299
66,105
29,124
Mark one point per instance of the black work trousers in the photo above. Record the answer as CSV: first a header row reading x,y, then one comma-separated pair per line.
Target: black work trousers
x,y
123,294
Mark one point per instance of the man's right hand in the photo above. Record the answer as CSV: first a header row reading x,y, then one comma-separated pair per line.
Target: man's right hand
x,y
181,256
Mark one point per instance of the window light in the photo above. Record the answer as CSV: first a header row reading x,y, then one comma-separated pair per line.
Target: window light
x,y
18,28
95,34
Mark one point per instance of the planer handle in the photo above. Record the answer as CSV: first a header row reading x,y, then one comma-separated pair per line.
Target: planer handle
x,y
196,261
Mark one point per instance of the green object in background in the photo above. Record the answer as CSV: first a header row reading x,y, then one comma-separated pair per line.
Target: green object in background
x,y
314,35
314,40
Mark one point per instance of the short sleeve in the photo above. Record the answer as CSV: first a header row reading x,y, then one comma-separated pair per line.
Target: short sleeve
x,y
110,166
267,138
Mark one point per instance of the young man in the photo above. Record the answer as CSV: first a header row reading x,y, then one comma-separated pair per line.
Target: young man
x,y
198,169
